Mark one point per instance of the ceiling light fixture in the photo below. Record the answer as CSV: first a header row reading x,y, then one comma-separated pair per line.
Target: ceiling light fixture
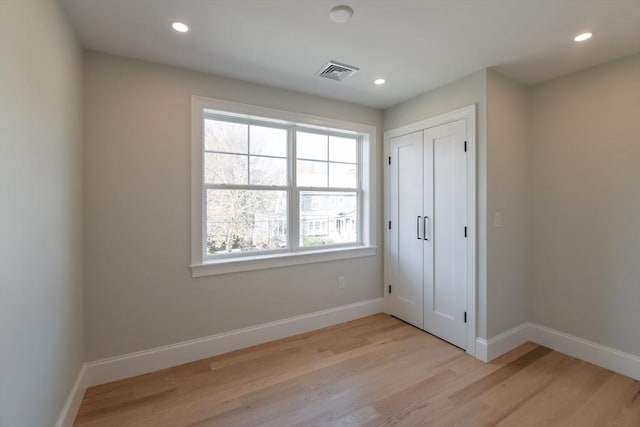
x,y
379,81
341,14
582,37
180,27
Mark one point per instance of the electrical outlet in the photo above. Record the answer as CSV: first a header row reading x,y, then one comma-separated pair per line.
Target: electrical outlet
x,y
341,282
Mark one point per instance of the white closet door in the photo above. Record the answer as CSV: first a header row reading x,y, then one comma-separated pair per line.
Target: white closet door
x,y
406,184
445,287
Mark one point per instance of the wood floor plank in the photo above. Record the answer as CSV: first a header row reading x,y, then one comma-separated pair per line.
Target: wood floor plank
x,y
477,388
343,384
608,405
428,407
562,398
375,371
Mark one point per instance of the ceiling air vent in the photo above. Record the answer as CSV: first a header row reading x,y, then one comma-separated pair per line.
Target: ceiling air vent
x,y
337,71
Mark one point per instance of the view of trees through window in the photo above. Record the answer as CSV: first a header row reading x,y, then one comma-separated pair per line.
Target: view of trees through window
x,y
247,188
244,220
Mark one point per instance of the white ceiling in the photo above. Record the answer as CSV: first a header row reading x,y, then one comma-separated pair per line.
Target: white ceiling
x,y
415,45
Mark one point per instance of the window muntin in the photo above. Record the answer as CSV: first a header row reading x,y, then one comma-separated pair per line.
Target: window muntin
x,y
256,176
325,160
244,154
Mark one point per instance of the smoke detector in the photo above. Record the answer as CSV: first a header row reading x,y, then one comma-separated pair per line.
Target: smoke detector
x,y
337,71
341,14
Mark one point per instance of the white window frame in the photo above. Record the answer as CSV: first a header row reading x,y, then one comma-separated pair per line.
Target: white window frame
x,y
202,265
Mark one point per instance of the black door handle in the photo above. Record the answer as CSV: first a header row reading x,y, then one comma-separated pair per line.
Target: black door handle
x,y
424,228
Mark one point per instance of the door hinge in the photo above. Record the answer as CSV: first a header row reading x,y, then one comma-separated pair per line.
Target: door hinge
x,y
465,317
389,159
465,146
465,231
389,225
389,288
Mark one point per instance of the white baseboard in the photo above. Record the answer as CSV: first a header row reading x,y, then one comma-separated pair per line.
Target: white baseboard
x,y
128,365
606,357
487,350
598,354
72,404
481,349
508,340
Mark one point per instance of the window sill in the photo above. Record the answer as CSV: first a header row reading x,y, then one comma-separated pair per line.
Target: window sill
x,y
224,266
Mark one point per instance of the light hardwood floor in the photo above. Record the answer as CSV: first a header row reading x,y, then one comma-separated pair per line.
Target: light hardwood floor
x,y
375,371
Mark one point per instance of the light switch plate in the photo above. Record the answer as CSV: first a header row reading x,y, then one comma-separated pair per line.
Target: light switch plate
x,y
497,219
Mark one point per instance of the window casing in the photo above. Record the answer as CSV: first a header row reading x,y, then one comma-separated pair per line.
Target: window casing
x,y
279,186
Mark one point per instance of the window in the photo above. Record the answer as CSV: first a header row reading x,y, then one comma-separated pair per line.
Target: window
x,y
245,184
272,188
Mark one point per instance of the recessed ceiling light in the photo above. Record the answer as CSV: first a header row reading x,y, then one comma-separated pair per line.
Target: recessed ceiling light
x,y
379,81
582,37
180,27
341,14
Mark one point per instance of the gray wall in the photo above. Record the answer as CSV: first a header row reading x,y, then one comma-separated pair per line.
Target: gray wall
x,y
508,191
585,205
41,334
139,290
469,90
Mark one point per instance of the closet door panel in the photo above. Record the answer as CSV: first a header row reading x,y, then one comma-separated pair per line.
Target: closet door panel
x,y
406,298
446,226
445,298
